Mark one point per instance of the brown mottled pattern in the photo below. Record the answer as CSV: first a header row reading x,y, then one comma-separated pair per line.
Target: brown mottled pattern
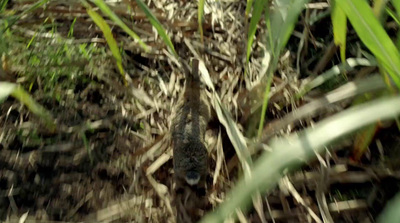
x,y
190,153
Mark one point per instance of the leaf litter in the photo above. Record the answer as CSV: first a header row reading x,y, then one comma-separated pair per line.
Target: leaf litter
x,y
48,176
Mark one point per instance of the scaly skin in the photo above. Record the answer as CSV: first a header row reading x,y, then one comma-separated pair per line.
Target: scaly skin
x,y
188,130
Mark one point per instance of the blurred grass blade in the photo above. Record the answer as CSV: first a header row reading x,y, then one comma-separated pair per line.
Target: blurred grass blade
x,y
6,89
26,11
379,6
157,25
200,18
249,4
363,139
34,7
236,137
10,89
391,212
393,15
3,5
20,94
339,23
112,43
373,35
398,40
265,103
255,18
396,5
349,65
281,23
293,151
311,109
106,10
283,20
86,144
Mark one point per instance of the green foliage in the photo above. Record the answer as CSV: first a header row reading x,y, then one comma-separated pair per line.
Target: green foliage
x,y
373,35
32,8
106,10
378,8
200,18
51,61
393,15
10,89
157,25
255,18
112,43
291,152
86,143
339,23
391,213
280,24
3,5
5,90
249,4
236,137
283,20
71,29
287,153
349,65
396,5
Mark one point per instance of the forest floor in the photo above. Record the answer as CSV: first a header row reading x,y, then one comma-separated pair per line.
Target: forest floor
x,y
110,158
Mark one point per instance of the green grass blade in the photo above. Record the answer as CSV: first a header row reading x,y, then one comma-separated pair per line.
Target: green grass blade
x,y
71,28
379,6
249,4
236,137
391,212
112,43
393,15
281,24
200,18
339,23
363,140
255,18
398,40
291,152
396,5
9,89
86,144
349,65
157,25
28,10
310,110
265,104
3,5
106,10
283,20
6,89
373,35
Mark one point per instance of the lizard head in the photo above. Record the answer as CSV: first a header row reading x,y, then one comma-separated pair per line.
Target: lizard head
x,y
192,177
190,162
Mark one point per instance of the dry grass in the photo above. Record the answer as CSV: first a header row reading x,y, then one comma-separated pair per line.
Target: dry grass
x,y
110,158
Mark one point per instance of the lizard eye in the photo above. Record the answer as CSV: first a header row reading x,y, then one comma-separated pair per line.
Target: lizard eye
x,y
192,177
